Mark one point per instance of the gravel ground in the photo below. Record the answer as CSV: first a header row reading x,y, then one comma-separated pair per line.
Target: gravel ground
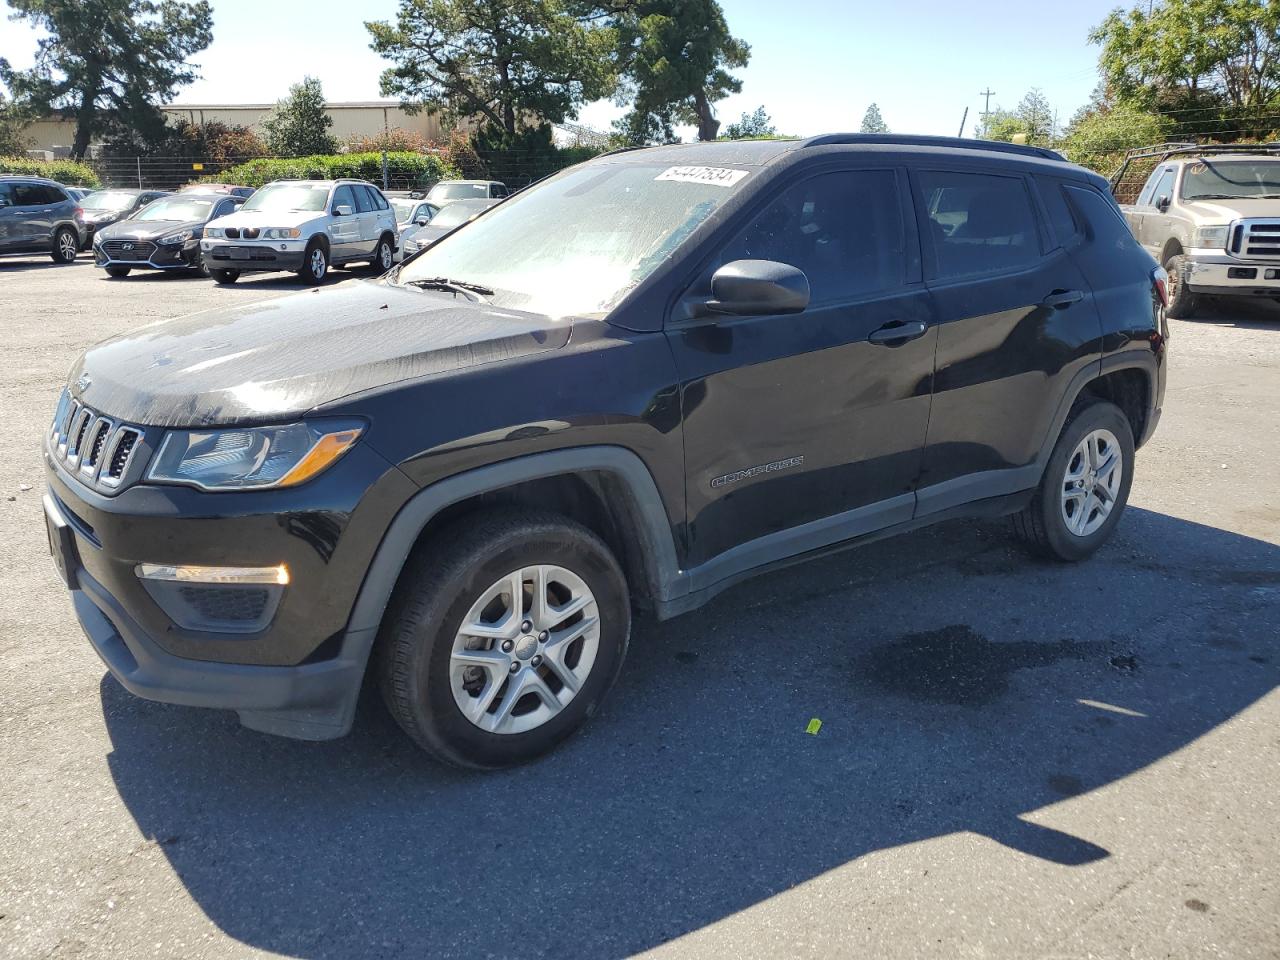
x,y
1016,759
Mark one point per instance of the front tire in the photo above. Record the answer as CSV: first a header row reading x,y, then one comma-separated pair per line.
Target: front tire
x,y
224,276
503,637
315,264
66,246
117,271
1085,486
1183,303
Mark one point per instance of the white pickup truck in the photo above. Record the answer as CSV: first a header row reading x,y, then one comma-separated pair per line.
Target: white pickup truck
x,y
1211,217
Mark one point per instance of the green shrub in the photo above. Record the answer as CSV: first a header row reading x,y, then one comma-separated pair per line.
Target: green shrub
x,y
64,171
403,169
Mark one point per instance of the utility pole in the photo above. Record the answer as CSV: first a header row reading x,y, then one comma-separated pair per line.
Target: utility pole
x,y
963,118
986,108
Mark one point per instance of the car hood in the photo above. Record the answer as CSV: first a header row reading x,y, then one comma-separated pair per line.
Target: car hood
x,y
277,359
1224,211
268,218
429,234
148,229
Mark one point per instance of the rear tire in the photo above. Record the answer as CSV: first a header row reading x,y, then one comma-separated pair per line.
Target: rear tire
x,y
383,256
315,263
66,246
1183,303
224,276
465,576
117,271
1076,506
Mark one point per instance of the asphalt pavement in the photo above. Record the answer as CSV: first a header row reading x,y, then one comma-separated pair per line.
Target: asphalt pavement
x,y
1016,759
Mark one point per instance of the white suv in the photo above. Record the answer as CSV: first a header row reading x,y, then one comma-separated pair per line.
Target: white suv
x,y
305,226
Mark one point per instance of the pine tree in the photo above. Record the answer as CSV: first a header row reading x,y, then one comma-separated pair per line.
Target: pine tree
x,y
299,125
872,122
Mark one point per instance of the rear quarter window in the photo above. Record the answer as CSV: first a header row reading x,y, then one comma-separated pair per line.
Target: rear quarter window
x,y
1066,230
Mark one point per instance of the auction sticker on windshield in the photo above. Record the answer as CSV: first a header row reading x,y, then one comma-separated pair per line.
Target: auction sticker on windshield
x,y
718,176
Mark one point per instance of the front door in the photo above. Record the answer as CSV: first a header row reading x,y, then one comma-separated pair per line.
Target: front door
x,y
803,418
1016,322
1157,227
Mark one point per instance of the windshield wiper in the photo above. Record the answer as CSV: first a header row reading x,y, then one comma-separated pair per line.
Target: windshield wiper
x,y
1215,196
472,291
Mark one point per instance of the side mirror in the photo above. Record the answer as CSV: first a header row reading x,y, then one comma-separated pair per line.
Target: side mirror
x,y
422,221
342,210
1162,203
756,288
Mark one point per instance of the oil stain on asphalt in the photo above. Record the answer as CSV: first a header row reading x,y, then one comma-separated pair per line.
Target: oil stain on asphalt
x,y
957,665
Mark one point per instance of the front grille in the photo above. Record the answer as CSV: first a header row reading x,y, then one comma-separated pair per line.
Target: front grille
x,y
251,233
96,448
1255,239
227,604
232,233
128,249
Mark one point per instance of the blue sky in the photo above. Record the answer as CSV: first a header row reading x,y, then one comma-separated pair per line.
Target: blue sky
x,y
815,65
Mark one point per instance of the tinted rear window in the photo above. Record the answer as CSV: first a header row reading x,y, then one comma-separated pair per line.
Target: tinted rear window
x,y
978,222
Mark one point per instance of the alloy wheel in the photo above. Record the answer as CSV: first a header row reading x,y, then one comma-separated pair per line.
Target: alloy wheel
x,y
68,245
318,264
384,255
525,649
1092,482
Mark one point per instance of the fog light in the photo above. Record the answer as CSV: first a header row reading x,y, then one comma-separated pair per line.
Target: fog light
x,y
185,573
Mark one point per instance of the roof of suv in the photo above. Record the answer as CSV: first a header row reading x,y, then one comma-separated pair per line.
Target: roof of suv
x,y
760,152
27,178
323,183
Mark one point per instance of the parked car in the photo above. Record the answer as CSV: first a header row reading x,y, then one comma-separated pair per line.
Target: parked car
x,y
163,235
77,193
305,226
105,207
631,386
411,213
449,219
1211,216
38,216
229,188
447,191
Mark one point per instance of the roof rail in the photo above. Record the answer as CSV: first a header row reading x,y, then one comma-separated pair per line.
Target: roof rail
x,y
1161,152
921,140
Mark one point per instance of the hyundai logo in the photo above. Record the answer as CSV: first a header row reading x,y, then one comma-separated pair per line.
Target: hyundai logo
x,y
126,246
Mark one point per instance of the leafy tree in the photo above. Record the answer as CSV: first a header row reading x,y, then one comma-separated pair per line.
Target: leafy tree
x,y
1031,121
184,140
1099,137
755,125
108,64
299,125
13,142
1000,125
872,122
514,63
675,56
1214,64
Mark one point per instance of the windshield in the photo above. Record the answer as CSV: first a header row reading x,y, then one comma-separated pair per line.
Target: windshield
x,y
176,208
456,214
579,242
288,196
109,200
403,208
1233,179
458,191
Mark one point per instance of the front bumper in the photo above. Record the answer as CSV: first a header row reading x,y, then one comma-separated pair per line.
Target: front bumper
x,y
1214,273
245,255
173,256
300,676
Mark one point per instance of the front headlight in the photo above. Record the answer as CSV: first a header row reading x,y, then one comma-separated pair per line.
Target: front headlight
x,y
1211,236
282,233
252,457
213,233
182,236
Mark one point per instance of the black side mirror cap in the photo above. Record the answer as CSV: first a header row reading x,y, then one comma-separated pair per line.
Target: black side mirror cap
x,y
756,288
1162,203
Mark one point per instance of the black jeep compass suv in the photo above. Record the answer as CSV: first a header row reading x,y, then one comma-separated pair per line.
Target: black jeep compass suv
x,y
627,387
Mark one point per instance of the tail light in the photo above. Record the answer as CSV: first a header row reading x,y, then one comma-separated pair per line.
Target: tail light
x,y
79,213
1160,284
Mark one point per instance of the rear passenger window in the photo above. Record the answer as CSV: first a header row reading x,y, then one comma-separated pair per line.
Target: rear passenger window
x,y
27,195
364,202
379,201
978,222
1064,225
844,230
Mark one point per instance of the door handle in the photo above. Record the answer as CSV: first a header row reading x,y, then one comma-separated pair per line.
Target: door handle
x,y
1063,298
898,332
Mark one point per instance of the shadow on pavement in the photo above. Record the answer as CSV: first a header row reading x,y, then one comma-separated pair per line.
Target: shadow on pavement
x,y
1253,313
961,686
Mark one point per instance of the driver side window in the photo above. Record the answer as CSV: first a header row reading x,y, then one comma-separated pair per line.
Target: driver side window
x,y
1163,188
843,229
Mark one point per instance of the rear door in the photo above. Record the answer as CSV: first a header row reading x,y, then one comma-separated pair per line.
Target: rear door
x,y
1016,322
367,216
802,419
